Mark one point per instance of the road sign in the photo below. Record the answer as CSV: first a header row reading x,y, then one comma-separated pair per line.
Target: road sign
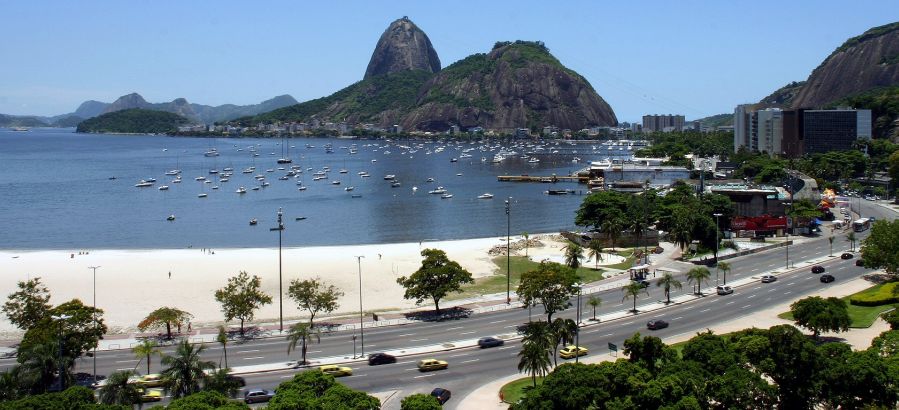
x,y
613,347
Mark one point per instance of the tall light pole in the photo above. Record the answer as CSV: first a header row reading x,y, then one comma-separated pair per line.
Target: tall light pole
x,y
361,327
62,364
94,268
577,332
508,251
280,230
717,248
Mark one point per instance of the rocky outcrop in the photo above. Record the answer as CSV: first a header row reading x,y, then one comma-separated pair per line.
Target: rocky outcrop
x,y
784,95
90,109
127,102
403,46
862,63
195,112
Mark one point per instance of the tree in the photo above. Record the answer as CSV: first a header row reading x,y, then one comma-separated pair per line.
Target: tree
x,y
164,317
301,333
145,349
550,284
880,250
563,332
74,323
668,281
851,238
436,278
594,301
696,277
527,243
894,165
314,296
185,369
222,338
632,290
648,351
680,230
723,267
573,255
600,206
612,226
222,382
26,307
596,249
39,365
533,360
118,390
830,240
241,298
420,401
817,314
205,400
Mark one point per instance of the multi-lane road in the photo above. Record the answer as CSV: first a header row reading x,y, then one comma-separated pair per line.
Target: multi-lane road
x,y
472,367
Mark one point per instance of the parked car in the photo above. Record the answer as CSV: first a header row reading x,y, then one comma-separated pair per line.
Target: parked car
x,y
151,380
258,396
817,269
724,290
442,395
656,324
148,395
431,364
769,278
486,342
859,262
380,358
827,278
572,351
846,255
335,370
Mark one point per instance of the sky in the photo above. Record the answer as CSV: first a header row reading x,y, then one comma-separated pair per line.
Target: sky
x,y
695,58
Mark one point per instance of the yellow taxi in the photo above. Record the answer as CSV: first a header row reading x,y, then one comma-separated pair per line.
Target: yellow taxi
x,y
572,351
151,380
336,371
432,364
148,395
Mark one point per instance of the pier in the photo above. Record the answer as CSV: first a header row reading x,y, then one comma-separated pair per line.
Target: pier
x,y
547,179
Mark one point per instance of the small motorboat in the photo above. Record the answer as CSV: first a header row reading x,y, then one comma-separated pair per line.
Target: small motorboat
x,y
389,177
253,221
394,184
255,188
335,182
200,179
202,195
170,218
446,196
485,196
300,218
143,184
357,196
302,188
430,180
349,188
241,190
164,188
112,178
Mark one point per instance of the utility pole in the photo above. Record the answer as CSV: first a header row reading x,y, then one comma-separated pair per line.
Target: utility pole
x,y
94,268
361,327
577,334
508,252
280,230
62,363
717,248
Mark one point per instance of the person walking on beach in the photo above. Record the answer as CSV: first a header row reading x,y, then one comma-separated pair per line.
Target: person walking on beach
x,y
170,274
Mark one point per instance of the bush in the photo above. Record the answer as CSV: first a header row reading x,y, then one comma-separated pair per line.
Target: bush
x,y
729,245
879,295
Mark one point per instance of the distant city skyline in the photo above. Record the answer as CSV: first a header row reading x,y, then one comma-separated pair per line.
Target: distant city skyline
x,y
694,58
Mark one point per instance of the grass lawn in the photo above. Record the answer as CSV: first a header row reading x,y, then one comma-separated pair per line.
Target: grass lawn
x,y
514,390
862,316
497,283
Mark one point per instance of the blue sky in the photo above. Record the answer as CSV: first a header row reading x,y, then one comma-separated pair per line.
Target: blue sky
x,y
695,58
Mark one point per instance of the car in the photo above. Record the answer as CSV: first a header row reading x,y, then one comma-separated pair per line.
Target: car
x,y
335,370
827,278
380,358
724,290
656,324
817,269
148,395
769,278
486,342
859,262
572,351
847,255
425,365
258,396
442,395
151,380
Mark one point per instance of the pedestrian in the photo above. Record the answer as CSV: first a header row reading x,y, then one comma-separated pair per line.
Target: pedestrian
x,y
379,256
188,327
170,274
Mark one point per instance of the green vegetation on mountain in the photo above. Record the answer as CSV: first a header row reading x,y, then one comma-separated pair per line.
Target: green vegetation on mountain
x,y
718,120
867,35
17,121
884,106
784,95
133,121
678,144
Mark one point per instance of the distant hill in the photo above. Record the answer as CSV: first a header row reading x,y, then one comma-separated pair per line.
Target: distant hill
x,y
133,121
198,112
20,121
784,95
717,120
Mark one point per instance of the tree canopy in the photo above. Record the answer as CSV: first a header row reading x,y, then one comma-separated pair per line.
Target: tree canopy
x,y
164,317
314,296
242,297
821,315
27,306
436,278
880,250
551,285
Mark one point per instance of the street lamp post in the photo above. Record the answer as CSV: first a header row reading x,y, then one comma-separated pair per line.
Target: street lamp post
x,y
361,327
717,248
508,252
577,332
94,268
62,364
280,230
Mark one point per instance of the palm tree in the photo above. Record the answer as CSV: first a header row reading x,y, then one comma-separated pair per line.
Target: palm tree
x,y
633,290
145,349
563,332
596,249
534,360
527,243
612,226
681,230
40,365
221,381
594,301
723,267
668,281
696,276
185,369
850,237
117,390
302,333
222,338
573,255
638,226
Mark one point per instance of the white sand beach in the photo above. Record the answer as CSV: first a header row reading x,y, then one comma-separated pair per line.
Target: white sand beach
x,y
132,283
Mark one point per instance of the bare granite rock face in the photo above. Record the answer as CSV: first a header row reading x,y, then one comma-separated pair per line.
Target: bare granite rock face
x,y
403,46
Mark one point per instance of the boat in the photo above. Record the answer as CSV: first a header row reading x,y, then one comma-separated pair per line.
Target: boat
x,y
349,188
249,170
112,178
389,177
241,190
395,184
284,160
203,195
485,196
151,180
430,180
200,179
300,218
365,175
253,221
454,160
176,181
265,184
215,187
559,192
213,171
437,191
20,129
335,182
173,172
343,171
283,178
255,188
414,189
302,188
170,218
143,184
533,160
164,188
357,196
223,180
459,174
211,153
446,196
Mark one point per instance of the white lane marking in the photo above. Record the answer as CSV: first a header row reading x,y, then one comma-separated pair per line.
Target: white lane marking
x,y
730,303
359,375
424,375
250,351
314,351
744,307
628,323
496,321
418,340
505,347
509,327
470,361
705,310
607,335
126,361
787,293
460,355
411,361
750,296
253,358
406,334
467,333
456,328
679,318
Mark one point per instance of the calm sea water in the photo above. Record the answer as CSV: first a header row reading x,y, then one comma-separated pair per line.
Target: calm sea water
x,y
55,192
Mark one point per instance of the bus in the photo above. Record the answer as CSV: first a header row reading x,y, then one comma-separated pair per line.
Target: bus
x,y
862,224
